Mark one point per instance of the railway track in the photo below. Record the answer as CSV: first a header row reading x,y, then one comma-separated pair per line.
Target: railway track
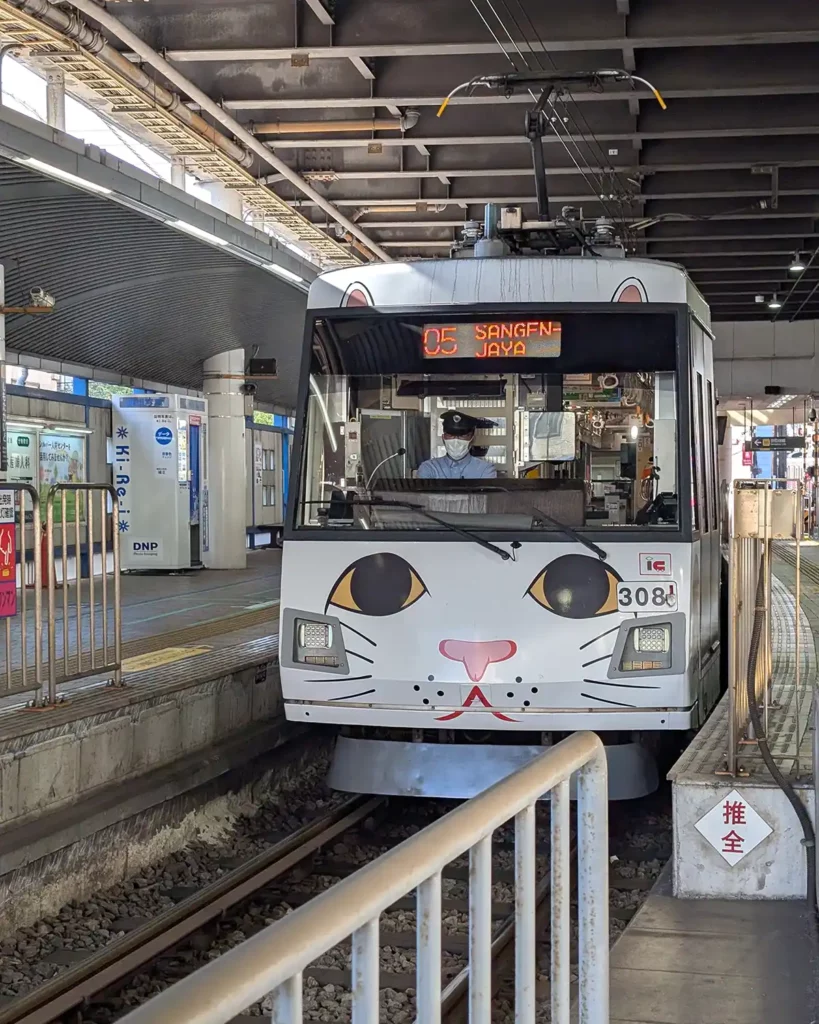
x,y
121,958
291,872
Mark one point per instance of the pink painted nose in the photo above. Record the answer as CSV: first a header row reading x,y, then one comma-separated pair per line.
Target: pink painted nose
x,y
476,656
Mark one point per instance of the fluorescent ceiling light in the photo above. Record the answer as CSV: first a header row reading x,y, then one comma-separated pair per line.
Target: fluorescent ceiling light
x,y
288,275
56,172
192,229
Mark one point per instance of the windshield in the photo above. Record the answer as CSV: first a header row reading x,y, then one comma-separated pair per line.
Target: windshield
x,y
491,423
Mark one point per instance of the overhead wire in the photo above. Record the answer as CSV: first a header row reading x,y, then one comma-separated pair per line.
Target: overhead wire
x,y
616,187
552,123
577,164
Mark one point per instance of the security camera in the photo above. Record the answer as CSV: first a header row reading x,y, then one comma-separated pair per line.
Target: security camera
x,y
41,298
247,388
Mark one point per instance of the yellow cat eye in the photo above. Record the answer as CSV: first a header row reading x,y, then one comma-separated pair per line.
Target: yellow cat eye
x,y
380,584
576,587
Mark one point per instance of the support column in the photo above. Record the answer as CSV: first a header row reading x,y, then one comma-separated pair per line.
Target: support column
x,y
55,99
225,199
227,475
178,172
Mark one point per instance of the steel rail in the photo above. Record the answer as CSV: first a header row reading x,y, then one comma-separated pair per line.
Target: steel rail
x,y
119,959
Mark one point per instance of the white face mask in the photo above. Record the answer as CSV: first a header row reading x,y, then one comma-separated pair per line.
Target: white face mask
x,y
456,448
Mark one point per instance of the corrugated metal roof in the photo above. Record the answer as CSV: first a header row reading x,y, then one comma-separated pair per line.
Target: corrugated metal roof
x,y
133,295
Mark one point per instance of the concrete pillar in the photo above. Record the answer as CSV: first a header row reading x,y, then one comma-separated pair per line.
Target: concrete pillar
x,y
227,482
178,172
55,99
225,199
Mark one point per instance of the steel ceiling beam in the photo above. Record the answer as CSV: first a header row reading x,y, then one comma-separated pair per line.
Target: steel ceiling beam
x,y
320,11
225,55
748,132
496,99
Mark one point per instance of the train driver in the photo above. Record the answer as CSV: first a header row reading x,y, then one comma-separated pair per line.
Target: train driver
x,y
458,463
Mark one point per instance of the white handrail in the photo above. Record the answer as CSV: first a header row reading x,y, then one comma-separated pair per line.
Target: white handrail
x,y
273,960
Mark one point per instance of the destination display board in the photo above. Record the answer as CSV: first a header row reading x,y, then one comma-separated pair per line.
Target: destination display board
x,y
492,339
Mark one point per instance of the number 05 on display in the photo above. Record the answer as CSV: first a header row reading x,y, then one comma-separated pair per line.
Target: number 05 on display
x,y
647,597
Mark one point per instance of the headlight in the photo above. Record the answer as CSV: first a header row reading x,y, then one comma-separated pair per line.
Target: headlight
x,y
315,634
314,643
652,639
647,648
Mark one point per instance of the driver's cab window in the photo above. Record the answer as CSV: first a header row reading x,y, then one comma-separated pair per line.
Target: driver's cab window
x,y
594,450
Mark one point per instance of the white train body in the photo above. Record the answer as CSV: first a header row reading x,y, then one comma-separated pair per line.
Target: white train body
x,y
430,637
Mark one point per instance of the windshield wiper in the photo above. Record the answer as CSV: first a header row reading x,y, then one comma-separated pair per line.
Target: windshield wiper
x,y
381,503
542,517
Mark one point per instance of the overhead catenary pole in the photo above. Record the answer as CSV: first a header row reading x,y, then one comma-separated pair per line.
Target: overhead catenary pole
x,y
150,56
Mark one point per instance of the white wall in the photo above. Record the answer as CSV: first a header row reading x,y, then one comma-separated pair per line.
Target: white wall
x,y
749,355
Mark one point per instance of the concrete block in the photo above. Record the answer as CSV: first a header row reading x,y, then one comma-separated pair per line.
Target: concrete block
x,y
266,696
722,376
233,704
724,339
796,339
157,735
750,376
753,338
775,869
49,773
197,719
106,752
9,783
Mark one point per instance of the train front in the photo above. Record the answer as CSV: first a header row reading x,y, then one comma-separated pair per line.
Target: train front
x,y
485,547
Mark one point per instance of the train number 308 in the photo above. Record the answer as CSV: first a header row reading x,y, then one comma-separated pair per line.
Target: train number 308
x,y
639,597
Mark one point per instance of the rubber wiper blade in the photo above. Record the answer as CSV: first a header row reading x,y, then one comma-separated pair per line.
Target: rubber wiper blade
x,y
389,503
542,517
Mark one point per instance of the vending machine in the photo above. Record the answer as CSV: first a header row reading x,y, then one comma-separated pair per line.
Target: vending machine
x,y
160,472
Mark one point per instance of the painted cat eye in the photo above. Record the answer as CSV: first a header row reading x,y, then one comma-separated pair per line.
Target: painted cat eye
x,y
576,587
381,584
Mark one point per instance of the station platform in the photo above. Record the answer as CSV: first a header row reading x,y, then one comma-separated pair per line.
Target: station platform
x,y
200,690
715,962
171,618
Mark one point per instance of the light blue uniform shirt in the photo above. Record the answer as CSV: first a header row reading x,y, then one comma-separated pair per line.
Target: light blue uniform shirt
x,y
467,468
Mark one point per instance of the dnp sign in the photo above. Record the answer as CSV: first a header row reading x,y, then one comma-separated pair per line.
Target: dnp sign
x,y
145,546
164,435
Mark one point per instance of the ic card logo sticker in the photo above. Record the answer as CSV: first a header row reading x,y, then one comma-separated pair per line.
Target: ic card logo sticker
x,y
631,290
655,564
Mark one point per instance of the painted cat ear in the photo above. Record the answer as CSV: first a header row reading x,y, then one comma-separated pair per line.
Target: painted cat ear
x,y
631,290
576,587
357,295
380,584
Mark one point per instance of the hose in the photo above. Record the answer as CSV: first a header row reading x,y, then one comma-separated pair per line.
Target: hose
x,y
809,836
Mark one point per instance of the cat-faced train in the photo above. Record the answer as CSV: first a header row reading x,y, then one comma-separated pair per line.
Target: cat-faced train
x,y
504,518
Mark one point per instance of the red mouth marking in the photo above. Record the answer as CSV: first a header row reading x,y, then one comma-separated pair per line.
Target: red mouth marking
x,y
475,694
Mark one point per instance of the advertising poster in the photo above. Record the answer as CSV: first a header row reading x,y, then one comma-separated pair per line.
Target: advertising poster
x,y
8,550
62,461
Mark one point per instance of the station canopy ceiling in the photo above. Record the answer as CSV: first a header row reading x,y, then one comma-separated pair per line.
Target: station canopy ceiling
x,y
727,177
134,295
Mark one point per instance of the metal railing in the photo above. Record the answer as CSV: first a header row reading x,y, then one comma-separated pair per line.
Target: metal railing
x,y
762,512
74,651
273,962
21,590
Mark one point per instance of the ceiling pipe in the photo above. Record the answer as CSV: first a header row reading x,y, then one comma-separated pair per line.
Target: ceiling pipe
x,y
372,124
150,56
68,24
